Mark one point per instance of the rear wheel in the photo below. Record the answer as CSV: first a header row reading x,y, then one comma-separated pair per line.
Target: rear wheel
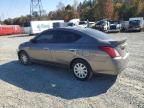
x,y
81,70
24,58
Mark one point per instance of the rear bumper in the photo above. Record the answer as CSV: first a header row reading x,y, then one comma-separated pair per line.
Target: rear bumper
x,y
112,66
120,63
114,30
134,29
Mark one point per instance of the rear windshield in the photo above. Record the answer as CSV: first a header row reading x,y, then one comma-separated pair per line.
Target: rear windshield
x,y
97,34
134,22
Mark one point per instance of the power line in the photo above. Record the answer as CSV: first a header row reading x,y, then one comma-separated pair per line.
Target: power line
x,y
36,8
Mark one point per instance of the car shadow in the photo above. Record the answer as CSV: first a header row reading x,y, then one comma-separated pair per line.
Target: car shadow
x,y
54,81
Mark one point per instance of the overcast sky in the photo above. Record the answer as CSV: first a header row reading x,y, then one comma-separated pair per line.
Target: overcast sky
x,y
15,8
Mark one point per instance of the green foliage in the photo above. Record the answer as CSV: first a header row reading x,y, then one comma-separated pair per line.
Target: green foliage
x,y
91,10
126,11
23,21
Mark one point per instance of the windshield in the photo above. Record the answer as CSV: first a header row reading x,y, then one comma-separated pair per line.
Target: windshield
x,y
114,22
70,24
82,22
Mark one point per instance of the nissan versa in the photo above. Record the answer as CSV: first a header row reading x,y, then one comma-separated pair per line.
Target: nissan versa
x,y
85,51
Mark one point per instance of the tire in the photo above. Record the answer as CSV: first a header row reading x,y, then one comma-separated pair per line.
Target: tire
x,y
24,58
81,70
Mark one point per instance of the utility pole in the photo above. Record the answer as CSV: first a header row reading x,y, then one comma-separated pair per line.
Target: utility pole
x,y
36,8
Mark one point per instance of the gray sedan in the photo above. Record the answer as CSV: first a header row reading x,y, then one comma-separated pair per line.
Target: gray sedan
x,y
85,51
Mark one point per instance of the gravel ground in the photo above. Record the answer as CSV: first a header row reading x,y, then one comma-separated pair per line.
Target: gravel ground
x,y
43,86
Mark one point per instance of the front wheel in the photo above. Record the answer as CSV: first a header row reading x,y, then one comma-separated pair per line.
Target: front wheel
x,y
81,70
24,58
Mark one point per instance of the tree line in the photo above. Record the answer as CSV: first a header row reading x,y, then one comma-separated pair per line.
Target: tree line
x,y
91,10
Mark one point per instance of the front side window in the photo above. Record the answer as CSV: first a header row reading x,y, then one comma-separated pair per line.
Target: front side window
x,y
46,37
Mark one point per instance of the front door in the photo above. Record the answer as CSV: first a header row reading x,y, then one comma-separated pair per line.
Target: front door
x,y
41,49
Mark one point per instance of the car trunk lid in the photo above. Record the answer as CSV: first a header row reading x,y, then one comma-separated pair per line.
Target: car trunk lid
x,y
120,45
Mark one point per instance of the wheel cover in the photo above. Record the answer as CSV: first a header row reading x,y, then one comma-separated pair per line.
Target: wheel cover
x,y
80,70
24,58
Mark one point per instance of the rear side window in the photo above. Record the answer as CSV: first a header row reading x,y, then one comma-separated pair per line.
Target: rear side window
x,y
65,37
45,37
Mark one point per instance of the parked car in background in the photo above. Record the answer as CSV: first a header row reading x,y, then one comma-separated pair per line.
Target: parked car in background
x,y
102,25
91,24
83,24
70,24
124,26
85,51
115,26
136,24
74,21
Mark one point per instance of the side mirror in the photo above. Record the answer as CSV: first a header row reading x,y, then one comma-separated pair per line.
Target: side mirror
x,y
33,41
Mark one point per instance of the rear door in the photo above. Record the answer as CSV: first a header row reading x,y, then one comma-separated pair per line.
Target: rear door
x,y
65,46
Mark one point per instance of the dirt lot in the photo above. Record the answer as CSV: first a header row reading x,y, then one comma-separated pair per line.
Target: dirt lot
x,y
39,86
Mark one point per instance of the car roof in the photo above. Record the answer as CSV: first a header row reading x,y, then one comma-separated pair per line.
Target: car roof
x,y
70,28
98,35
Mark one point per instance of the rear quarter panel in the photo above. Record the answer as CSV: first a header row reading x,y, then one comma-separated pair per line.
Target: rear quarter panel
x,y
99,61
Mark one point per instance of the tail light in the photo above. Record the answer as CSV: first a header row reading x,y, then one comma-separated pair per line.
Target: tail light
x,y
112,52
